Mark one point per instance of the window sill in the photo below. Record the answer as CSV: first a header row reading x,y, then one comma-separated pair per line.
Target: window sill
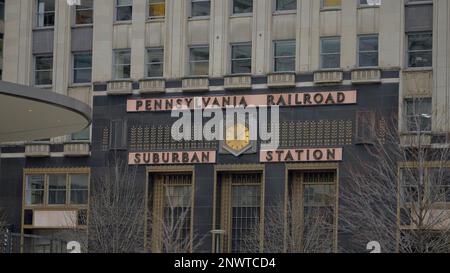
x,y
44,28
155,19
74,85
199,18
418,69
284,12
43,86
368,7
118,23
241,15
82,25
329,9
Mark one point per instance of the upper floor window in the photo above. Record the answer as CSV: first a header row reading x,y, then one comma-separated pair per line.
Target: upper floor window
x,y
199,60
43,70
45,13
157,8
368,50
122,64
330,52
200,8
330,4
285,5
57,189
420,49
82,67
418,114
369,3
124,10
84,13
284,56
241,58
242,6
155,62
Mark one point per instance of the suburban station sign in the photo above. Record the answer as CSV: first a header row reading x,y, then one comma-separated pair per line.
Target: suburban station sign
x,y
302,155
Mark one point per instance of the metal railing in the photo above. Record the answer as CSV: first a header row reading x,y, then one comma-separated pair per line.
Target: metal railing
x,y
27,243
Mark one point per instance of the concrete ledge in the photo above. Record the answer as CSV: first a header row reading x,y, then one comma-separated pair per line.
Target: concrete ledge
x,y
328,76
37,150
148,86
369,75
76,149
281,80
195,84
238,82
120,87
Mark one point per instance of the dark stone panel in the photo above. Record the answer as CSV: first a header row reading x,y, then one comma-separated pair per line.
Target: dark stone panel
x,y
216,82
259,80
387,74
173,84
57,148
82,38
304,77
98,87
13,149
43,41
419,18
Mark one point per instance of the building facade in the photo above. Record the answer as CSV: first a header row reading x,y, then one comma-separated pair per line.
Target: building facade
x,y
339,70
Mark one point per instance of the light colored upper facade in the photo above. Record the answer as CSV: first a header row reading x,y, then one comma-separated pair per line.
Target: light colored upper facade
x,y
121,42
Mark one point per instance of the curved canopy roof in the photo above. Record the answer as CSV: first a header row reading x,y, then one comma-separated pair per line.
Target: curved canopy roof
x,y
29,113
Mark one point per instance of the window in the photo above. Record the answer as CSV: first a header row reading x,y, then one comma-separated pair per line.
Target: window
x,y
241,58
439,184
199,60
157,8
34,191
420,50
43,70
330,52
200,8
155,62
82,67
368,51
45,13
311,210
418,114
124,10
331,4
79,189
82,135
240,209
84,13
285,5
284,56
57,189
2,10
242,6
122,64
172,212
369,3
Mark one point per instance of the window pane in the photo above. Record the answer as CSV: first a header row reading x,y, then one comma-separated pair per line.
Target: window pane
x,y
45,13
331,3
200,8
84,17
199,54
155,62
155,70
57,189
125,2
286,5
123,71
420,59
79,189
44,62
35,189
200,68
285,65
368,43
370,2
157,8
285,48
420,41
242,6
241,66
86,4
331,61
368,59
83,60
330,45
155,55
123,57
241,51
43,78
124,13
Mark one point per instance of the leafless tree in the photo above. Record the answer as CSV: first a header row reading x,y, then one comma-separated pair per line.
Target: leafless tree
x,y
396,193
116,219
174,233
293,229
3,219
